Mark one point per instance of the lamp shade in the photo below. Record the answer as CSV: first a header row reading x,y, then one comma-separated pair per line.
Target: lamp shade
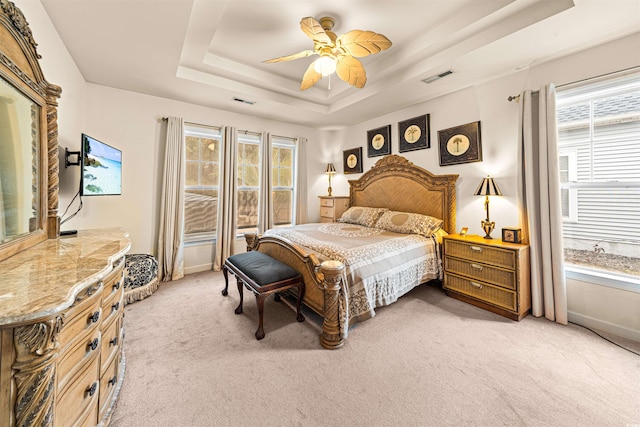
x,y
330,169
488,187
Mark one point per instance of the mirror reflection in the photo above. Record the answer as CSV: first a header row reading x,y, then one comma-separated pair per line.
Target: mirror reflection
x,y
19,157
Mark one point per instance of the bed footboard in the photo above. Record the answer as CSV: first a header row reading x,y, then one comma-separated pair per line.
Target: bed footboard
x,y
323,283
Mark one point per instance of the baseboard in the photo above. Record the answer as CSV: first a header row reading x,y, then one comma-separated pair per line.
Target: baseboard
x,y
601,325
198,268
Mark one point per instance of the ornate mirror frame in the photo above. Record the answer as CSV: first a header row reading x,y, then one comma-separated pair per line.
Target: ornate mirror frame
x,y
19,67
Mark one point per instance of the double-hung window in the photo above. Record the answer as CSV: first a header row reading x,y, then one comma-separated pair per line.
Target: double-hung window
x,y
202,161
248,181
283,172
599,158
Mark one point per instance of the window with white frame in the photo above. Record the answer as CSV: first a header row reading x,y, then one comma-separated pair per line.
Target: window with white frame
x,y
599,156
202,161
248,181
283,170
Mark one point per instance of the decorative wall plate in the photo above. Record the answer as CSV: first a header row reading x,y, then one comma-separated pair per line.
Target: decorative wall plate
x,y
413,134
379,141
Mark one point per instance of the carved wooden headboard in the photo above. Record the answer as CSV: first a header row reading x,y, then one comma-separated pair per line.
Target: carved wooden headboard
x,y
397,184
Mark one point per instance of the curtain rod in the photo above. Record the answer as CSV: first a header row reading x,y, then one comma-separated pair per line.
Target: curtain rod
x,y
517,97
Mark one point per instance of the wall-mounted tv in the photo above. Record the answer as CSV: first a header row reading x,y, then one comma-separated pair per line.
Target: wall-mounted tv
x,y
101,167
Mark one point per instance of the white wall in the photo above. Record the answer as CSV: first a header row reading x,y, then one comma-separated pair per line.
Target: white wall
x,y
132,122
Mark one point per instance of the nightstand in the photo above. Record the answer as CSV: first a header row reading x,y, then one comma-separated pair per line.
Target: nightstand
x,y
488,273
332,207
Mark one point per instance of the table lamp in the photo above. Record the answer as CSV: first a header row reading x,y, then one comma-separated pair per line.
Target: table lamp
x,y
330,170
488,187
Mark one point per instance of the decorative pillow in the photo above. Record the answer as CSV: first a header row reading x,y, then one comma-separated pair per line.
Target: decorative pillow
x,y
409,223
362,215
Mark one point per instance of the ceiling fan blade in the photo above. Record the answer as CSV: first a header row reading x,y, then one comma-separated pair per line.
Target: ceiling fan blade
x,y
311,77
314,30
351,71
360,43
302,54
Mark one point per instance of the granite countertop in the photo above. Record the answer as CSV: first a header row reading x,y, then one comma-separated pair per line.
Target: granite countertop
x,y
45,279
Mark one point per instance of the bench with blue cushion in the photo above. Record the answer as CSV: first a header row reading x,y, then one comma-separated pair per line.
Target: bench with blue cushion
x,y
263,275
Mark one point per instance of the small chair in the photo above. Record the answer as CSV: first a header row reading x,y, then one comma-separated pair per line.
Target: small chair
x,y
264,276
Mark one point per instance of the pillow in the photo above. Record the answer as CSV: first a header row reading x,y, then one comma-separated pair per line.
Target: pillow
x,y
362,215
409,223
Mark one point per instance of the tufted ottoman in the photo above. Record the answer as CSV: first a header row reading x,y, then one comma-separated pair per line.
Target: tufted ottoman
x,y
140,277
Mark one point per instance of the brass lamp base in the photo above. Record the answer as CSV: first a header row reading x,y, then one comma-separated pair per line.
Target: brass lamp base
x,y
329,190
488,227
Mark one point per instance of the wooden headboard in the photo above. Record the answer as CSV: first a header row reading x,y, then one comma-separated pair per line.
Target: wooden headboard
x,y
397,184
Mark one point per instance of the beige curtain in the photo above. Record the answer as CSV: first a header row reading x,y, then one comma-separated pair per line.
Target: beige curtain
x,y
226,228
265,213
540,205
301,181
170,233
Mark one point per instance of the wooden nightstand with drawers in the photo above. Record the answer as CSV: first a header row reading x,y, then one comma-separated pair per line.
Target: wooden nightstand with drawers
x,y
488,273
332,207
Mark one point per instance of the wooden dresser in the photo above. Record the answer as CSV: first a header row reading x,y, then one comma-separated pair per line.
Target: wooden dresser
x,y
332,207
488,273
61,330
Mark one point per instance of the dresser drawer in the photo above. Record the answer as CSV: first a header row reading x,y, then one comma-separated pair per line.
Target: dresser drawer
x,y
326,212
114,282
504,258
486,292
108,383
483,272
74,359
79,320
111,307
111,341
326,202
80,399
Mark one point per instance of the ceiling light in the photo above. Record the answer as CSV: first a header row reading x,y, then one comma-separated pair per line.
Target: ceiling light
x,y
325,65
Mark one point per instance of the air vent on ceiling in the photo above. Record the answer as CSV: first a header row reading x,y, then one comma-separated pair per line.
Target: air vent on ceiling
x,y
437,76
244,101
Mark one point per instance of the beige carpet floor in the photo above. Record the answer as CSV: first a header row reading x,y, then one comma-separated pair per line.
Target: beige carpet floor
x,y
427,360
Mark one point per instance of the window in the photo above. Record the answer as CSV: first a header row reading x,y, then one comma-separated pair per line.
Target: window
x,y
283,155
202,160
599,154
248,183
568,175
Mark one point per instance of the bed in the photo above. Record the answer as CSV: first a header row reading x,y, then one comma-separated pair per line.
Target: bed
x,y
352,267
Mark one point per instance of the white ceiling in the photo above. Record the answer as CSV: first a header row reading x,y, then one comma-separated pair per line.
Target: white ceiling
x,y
208,52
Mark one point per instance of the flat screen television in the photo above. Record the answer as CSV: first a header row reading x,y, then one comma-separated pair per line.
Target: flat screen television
x,y
101,166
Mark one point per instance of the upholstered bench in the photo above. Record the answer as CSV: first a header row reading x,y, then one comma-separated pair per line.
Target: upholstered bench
x,y
264,276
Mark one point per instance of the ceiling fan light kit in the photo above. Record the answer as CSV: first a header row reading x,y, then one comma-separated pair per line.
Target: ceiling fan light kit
x,y
337,54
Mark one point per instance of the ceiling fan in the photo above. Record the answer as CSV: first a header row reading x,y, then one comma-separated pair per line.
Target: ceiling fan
x,y
336,53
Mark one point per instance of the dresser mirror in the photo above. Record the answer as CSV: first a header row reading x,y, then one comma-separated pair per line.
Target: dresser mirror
x,y
28,140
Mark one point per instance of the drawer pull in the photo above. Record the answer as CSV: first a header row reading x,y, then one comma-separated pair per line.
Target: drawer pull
x,y
115,306
112,381
113,341
93,344
94,317
477,267
116,286
475,248
476,285
92,390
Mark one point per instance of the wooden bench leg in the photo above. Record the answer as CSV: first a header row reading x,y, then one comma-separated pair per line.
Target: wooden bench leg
x,y
225,291
260,303
240,286
300,316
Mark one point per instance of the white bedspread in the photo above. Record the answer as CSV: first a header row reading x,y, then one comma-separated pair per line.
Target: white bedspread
x,y
380,266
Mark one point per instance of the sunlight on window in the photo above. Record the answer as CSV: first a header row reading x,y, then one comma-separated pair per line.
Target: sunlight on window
x,y
599,149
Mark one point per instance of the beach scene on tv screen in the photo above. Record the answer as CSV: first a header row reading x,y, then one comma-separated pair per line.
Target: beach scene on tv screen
x,y
102,174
